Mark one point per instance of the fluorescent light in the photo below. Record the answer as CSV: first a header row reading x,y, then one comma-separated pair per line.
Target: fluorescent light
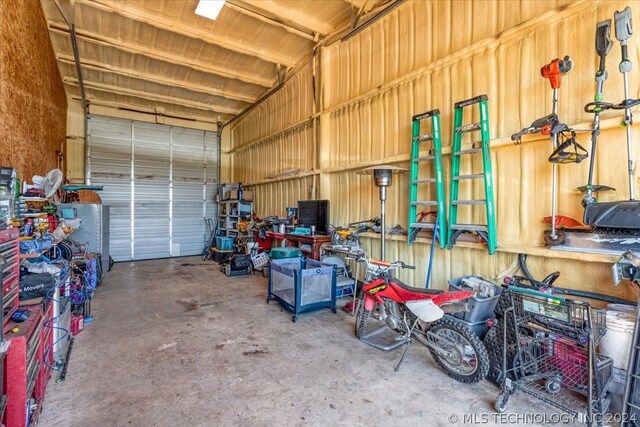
x,y
209,8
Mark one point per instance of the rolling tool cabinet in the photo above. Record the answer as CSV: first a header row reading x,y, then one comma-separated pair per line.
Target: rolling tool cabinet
x,y
26,375
10,251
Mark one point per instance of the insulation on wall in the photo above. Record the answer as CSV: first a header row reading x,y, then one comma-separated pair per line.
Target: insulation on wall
x,y
272,198
427,55
33,105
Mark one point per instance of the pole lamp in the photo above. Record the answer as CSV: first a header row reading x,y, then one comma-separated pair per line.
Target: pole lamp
x,y
382,178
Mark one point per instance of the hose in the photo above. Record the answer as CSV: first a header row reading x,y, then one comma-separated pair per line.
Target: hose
x,y
522,258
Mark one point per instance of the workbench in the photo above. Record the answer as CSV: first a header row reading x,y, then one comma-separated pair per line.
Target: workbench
x,y
308,245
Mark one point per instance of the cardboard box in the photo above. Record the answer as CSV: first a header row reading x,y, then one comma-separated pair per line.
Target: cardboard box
x,y
226,187
247,195
231,195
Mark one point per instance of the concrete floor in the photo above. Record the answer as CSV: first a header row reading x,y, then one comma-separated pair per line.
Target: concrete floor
x,y
175,342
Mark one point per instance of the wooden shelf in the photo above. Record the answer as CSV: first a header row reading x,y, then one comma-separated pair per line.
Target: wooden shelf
x,y
514,249
33,199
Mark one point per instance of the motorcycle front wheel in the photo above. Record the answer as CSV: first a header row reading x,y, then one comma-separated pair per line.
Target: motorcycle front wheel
x,y
362,317
458,350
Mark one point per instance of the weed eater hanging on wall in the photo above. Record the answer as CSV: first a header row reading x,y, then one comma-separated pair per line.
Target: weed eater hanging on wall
x,y
611,227
565,147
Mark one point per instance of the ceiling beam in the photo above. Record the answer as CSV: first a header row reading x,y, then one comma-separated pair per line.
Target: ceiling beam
x,y
366,5
139,49
151,96
289,28
125,10
154,78
280,9
165,110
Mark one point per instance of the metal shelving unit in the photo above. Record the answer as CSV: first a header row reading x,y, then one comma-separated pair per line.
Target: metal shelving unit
x,y
230,212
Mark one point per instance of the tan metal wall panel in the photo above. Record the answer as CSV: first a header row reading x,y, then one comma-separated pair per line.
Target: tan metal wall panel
x,y
75,150
272,198
416,34
290,105
428,55
286,152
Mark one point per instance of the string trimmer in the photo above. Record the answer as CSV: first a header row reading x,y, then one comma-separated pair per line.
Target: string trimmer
x,y
565,147
603,47
621,214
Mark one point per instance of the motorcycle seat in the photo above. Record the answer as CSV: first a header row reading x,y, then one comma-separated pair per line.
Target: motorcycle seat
x,y
413,289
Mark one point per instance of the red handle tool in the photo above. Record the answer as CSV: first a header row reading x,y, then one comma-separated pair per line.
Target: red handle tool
x,y
556,69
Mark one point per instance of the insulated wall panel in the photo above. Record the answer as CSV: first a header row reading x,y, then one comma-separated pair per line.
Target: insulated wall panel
x,y
426,55
374,126
273,198
290,105
293,150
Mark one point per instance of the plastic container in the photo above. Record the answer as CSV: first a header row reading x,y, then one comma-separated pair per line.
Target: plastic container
x,y
224,243
5,208
220,256
482,308
260,261
616,343
286,252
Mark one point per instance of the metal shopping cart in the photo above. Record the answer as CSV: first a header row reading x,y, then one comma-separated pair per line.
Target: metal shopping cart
x,y
555,356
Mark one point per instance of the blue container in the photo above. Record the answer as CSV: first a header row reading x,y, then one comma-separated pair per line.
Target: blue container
x,y
224,243
302,285
286,252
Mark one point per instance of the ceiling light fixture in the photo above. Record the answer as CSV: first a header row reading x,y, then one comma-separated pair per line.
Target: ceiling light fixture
x,y
209,8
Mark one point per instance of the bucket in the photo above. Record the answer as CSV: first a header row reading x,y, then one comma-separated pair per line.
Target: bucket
x,y
616,343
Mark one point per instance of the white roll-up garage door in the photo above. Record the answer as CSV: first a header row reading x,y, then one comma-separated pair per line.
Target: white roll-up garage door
x,y
160,182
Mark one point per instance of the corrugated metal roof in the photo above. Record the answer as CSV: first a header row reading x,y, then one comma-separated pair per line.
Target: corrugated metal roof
x,y
160,55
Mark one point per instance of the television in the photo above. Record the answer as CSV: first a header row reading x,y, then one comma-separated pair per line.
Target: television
x,y
314,212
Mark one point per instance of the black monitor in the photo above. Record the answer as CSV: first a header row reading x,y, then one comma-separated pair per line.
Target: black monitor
x,y
314,212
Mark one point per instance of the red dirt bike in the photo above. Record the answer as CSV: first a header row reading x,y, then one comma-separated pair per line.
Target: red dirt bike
x,y
391,313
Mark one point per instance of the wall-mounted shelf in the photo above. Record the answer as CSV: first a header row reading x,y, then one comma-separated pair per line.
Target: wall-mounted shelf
x,y
514,249
33,199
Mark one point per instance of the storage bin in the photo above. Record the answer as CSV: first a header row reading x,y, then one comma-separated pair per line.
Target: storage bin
x,y
482,308
302,285
260,261
224,243
286,252
479,328
219,256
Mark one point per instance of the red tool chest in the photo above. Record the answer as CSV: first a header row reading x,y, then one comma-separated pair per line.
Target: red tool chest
x,y
26,374
9,249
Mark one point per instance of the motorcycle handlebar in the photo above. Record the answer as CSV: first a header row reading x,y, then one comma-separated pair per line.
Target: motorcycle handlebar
x,y
391,265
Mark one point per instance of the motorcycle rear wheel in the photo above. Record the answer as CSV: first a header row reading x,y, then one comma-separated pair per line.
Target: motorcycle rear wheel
x,y
468,360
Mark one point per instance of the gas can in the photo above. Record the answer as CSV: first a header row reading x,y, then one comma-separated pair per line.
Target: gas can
x,y
77,324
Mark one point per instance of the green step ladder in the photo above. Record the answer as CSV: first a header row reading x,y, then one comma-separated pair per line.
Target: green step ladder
x,y
487,232
434,156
